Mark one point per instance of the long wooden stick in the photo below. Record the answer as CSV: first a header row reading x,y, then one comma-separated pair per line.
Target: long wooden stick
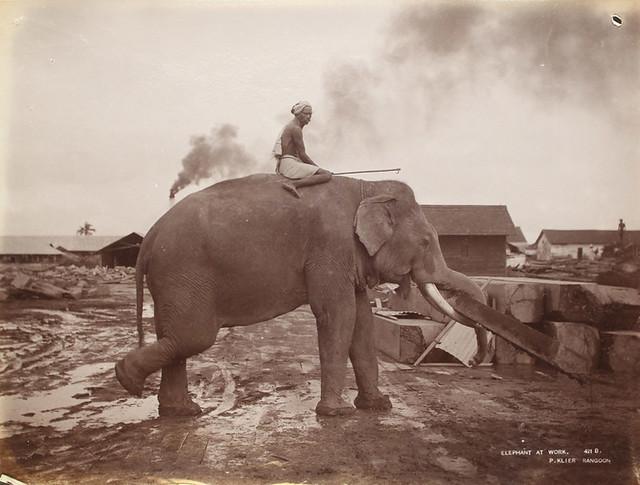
x,y
396,170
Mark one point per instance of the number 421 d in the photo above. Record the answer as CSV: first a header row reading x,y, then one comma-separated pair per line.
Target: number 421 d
x,y
591,451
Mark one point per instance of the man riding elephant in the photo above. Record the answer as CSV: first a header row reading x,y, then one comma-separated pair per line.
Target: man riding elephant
x,y
291,156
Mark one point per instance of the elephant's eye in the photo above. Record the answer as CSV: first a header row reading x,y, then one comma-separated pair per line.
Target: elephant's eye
x,y
424,242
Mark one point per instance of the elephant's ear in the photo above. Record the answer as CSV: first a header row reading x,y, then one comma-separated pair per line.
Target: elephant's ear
x,y
374,222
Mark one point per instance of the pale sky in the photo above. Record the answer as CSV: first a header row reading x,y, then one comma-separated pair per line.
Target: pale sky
x,y
534,105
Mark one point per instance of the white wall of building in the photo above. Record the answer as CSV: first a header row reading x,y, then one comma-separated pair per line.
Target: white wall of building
x,y
547,251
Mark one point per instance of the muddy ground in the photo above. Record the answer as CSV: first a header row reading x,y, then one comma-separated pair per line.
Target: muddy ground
x,y
65,419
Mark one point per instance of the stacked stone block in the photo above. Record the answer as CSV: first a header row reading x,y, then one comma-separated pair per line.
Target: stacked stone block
x,y
599,322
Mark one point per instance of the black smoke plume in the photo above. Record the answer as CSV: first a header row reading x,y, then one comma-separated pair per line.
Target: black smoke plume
x,y
217,155
437,53
552,49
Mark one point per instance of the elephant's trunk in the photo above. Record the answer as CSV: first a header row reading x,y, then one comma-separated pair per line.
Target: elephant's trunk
x,y
455,281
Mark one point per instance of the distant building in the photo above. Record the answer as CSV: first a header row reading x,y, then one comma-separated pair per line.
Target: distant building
x,y
104,250
517,246
516,239
585,243
122,252
473,238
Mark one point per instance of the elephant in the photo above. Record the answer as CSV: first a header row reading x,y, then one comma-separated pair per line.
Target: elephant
x,y
243,251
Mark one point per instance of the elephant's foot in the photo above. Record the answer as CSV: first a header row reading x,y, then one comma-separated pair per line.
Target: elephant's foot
x,y
476,360
187,408
379,402
291,189
339,408
480,356
127,379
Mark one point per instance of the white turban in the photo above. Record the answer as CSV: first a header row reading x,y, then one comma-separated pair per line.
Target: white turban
x,y
300,106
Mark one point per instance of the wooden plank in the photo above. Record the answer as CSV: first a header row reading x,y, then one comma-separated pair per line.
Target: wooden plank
x,y
387,336
522,336
404,339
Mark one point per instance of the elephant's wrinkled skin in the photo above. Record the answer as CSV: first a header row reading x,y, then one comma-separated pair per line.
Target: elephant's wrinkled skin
x,y
244,251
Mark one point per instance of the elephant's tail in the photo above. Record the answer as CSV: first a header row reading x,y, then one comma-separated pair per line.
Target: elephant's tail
x,y
140,270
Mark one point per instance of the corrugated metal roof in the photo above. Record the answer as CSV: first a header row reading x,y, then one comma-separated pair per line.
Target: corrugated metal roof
x,y
460,341
588,236
41,244
130,240
469,220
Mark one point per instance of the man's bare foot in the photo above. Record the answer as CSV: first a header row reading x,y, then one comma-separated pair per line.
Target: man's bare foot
x,y
290,188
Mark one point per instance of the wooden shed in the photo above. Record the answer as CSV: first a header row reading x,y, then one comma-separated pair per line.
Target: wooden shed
x,y
473,238
516,248
122,252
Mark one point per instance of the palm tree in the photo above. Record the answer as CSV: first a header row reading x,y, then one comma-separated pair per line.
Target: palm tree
x,y
86,229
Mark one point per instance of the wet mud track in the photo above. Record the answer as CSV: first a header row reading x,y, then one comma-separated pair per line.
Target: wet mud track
x,y
65,419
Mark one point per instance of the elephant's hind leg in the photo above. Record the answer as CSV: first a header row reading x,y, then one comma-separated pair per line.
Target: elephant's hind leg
x,y
139,363
185,326
174,399
190,322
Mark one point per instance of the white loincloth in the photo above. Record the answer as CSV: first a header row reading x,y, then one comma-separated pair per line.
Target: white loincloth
x,y
276,152
293,168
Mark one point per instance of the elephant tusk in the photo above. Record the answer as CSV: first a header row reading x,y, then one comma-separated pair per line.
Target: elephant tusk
x,y
434,297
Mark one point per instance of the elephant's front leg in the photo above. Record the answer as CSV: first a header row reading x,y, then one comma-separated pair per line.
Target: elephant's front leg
x,y
364,358
335,317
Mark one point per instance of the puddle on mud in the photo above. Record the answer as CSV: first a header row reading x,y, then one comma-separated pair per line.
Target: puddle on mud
x,y
147,310
133,410
280,410
293,411
305,366
457,465
44,407
433,437
402,415
62,411
8,326
66,317
100,314
425,382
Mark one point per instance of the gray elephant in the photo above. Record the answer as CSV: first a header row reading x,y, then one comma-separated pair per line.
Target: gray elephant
x,y
244,251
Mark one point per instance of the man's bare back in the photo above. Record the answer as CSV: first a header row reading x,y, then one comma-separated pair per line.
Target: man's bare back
x,y
291,139
294,156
